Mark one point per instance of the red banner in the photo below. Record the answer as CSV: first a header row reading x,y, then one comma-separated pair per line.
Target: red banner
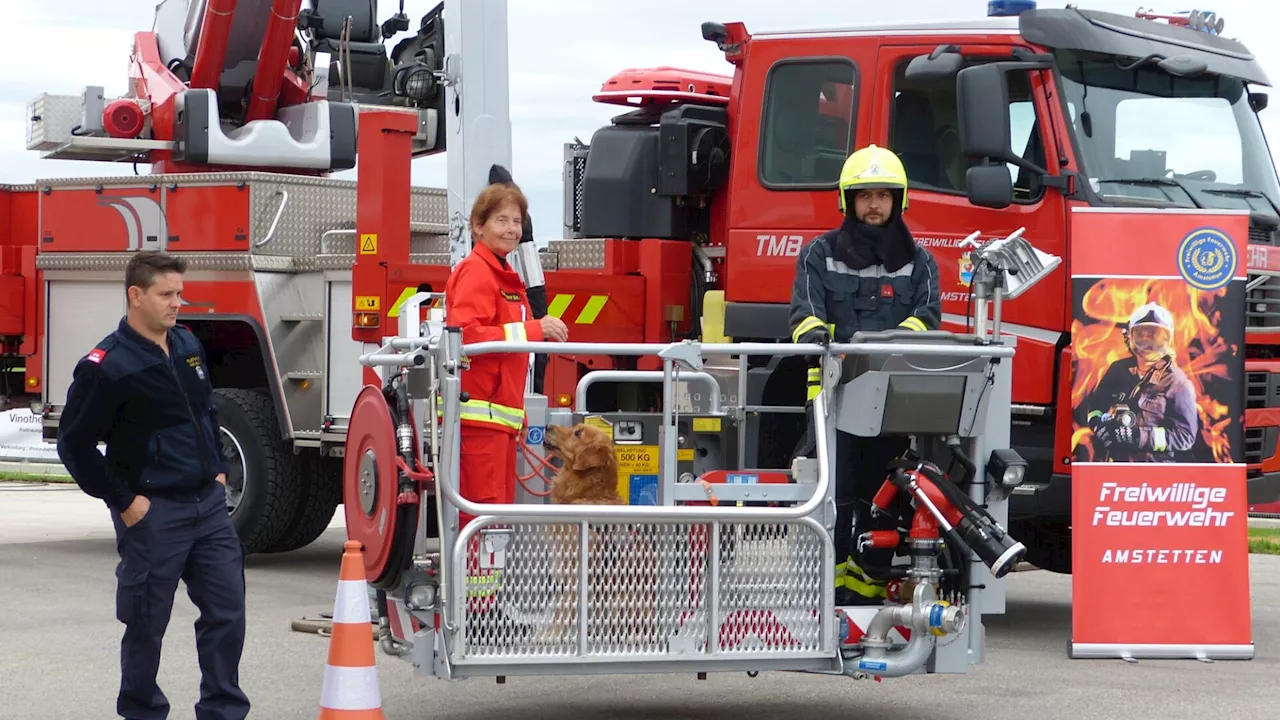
x,y
1160,551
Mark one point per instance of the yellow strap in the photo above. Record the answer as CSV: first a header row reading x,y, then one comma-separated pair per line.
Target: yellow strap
x,y
807,324
913,323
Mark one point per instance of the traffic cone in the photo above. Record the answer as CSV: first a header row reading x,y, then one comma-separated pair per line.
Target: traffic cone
x,y
350,690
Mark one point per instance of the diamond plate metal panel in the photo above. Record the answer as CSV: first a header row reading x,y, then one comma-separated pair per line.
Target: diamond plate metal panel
x,y
307,207
652,591
585,254
115,262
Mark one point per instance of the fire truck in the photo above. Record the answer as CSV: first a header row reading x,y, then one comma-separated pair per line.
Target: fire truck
x,y
683,217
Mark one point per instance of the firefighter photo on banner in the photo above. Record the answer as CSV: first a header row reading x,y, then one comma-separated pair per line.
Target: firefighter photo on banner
x,y
1157,434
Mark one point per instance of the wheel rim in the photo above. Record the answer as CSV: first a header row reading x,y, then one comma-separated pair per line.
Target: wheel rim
x,y
233,453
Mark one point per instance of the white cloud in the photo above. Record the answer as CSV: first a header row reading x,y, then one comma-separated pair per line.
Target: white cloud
x,y
560,53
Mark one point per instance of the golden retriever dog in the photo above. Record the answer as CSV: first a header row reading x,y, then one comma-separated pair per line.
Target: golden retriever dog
x,y
623,567
590,472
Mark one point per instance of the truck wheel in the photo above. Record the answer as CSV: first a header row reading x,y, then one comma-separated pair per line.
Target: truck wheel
x,y
321,493
263,482
1048,544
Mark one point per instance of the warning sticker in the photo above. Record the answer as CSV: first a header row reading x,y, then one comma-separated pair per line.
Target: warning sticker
x,y
636,465
706,425
638,460
369,244
368,302
599,422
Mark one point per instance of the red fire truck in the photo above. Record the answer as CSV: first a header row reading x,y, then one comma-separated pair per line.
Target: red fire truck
x,y
684,216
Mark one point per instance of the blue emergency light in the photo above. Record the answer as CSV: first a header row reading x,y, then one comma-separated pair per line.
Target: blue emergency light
x,y
1009,8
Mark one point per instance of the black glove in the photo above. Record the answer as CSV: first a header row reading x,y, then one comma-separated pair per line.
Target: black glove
x,y
1113,434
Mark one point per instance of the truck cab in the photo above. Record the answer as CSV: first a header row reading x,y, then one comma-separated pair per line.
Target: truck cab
x,y
1002,123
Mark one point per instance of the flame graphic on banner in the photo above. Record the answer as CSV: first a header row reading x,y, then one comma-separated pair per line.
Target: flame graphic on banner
x,y
1201,351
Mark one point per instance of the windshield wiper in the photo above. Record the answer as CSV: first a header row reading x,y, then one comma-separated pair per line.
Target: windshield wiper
x,y
1161,182
1244,192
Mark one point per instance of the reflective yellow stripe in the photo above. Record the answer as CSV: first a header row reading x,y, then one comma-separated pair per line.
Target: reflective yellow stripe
x,y
559,305
815,374
812,392
592,310
486,412
1159,440
856,580
913,323
807,324
515,332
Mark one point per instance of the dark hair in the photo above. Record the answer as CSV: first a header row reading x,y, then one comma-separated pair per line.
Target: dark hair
x,y
493,198
144,266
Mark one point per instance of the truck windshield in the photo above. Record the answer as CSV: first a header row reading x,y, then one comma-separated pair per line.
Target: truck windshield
x,y
1151,138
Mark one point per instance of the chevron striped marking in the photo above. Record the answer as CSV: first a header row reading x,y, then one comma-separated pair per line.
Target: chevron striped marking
x,y
559,305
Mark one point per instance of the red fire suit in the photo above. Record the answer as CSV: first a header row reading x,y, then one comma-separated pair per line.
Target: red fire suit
x,y
486,299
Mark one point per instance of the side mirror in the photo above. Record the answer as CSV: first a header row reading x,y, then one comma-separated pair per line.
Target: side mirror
x,y
989,186
982,97
1258,101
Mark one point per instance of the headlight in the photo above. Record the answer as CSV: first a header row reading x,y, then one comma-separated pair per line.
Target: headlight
x,y
1007,468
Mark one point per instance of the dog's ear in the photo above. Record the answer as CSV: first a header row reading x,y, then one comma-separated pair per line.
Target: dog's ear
x,y
594,455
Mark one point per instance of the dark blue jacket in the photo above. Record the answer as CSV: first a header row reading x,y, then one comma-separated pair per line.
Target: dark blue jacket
x,y
155,414
828,292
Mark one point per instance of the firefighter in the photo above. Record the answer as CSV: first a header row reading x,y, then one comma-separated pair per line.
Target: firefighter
x,y
145,391
486,299
866,275
1145,408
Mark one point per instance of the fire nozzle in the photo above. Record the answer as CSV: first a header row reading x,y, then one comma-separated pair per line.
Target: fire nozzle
x,y
964,523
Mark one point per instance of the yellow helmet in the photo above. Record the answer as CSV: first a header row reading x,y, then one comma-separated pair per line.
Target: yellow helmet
x,y
873,167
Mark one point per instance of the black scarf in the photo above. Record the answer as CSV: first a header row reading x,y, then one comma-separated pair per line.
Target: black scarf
x,y
860,245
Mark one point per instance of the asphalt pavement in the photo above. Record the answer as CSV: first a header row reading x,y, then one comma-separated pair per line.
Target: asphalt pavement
x,y
59,642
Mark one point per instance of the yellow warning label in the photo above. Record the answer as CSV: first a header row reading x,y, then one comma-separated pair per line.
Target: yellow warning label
x,y
368,302
369,244
597,421
684,455
637,460
706,425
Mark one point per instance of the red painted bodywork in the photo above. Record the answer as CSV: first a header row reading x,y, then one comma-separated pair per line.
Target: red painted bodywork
x,y
647,282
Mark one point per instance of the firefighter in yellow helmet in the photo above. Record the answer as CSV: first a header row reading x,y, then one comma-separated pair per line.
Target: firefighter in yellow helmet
x,y
866,275
1144,408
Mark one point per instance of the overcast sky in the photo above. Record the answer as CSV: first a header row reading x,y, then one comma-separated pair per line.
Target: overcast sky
x,y
560,53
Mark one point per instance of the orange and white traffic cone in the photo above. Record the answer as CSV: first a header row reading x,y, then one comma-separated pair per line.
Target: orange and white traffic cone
x,y
350,690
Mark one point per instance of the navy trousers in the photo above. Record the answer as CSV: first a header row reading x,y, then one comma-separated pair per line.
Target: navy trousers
x,y
188,538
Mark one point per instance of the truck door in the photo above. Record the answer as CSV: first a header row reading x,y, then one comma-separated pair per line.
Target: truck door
x,y
918,120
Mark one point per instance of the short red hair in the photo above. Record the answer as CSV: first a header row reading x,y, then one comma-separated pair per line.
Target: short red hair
x,y
495,197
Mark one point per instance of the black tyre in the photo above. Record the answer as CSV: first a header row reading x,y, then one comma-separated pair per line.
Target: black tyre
x,y
321,493
264,479
1048,544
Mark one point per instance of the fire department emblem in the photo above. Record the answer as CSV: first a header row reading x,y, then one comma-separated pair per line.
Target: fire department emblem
x,y
1207,258
966,270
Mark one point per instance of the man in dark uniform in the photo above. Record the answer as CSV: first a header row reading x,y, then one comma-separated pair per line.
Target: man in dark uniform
x,y
866,275
145,391
1144,408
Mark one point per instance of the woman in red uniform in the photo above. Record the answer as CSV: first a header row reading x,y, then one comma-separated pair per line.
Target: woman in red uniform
x,y
486,299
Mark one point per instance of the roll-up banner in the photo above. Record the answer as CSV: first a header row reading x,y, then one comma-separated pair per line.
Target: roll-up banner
x,y
1160,556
